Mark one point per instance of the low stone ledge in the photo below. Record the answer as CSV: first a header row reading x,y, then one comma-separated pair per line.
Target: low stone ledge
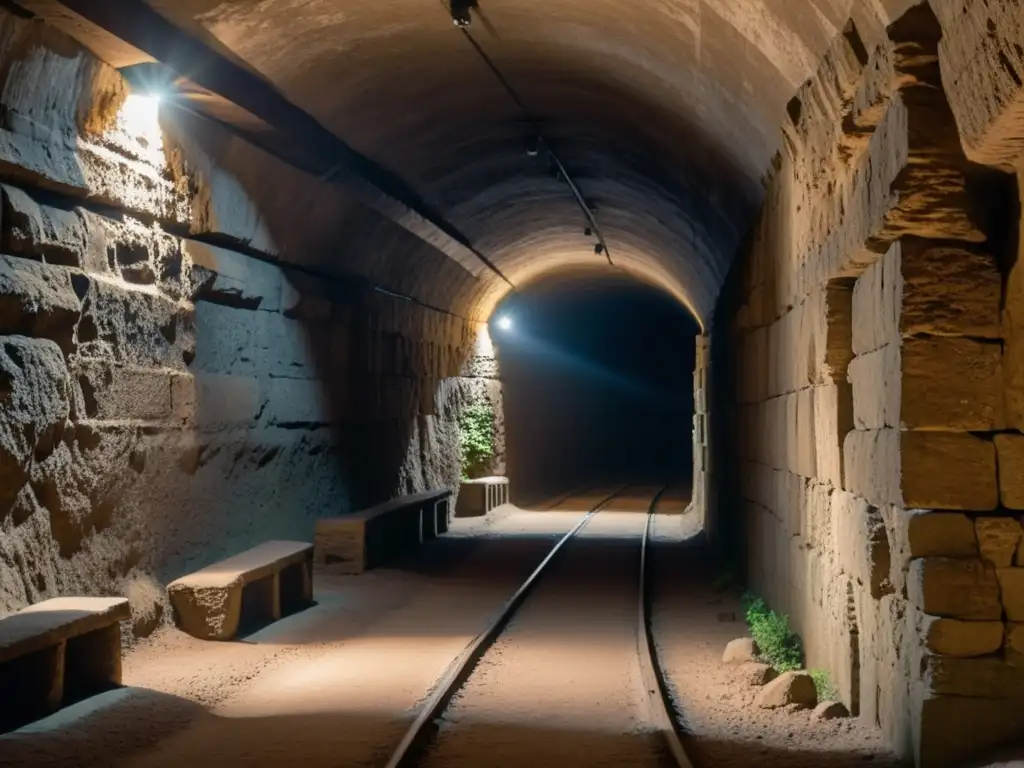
x,y
56,652
479,496
208,604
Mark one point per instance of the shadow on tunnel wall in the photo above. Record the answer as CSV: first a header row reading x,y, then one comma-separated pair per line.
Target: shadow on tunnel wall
x,y
385,372
597,380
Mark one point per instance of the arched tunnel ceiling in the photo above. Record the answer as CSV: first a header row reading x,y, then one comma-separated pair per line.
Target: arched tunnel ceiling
x,y
665,112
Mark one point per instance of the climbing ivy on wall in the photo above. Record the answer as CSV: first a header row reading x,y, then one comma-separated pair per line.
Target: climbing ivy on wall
x,y
476,436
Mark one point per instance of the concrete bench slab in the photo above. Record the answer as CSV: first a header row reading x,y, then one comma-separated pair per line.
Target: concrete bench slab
x,y
354,543
265,583
480,495
57,652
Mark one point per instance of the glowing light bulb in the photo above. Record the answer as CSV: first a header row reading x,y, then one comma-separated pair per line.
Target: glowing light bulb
x,y
505,323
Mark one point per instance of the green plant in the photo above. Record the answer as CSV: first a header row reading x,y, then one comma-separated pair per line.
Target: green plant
x,y
476,435
777,644
823,685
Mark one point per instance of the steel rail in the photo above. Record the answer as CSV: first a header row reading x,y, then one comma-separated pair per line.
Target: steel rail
x,y
660,706
458,672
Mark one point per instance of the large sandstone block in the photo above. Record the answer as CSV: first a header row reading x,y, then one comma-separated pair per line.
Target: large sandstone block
x,y
1010,452
961,589
929,383
951,383
135,326
949,730
983,677
948,471
936,470
953,637
42,232
120,392
944,534
38,300
1011,584
921,288
998,539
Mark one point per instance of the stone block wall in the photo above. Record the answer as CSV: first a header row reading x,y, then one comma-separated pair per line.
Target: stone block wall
x,y
869,434
171,392
701,440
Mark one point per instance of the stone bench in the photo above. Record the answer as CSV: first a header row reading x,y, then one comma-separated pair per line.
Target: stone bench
x,y
57,652
259,585
363,540
479,496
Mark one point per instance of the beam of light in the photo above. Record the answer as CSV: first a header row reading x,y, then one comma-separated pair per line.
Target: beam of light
x,y
139,120
561,357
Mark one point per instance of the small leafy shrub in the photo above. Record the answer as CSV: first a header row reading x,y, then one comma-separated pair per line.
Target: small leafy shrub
x,y
776,642
476,436
823,685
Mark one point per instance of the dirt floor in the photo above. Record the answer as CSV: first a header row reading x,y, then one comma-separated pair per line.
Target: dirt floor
x,y
562,686
338,684
726,729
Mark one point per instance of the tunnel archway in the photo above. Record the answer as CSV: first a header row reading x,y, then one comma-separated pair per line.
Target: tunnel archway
x,y
596,371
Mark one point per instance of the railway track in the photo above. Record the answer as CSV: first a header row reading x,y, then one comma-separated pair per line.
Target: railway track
x,y
416,745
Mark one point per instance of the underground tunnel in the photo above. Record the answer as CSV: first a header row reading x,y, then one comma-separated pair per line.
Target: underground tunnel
x,y
505,382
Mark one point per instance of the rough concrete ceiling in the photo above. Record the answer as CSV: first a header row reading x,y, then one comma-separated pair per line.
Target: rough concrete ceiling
x,y
665,112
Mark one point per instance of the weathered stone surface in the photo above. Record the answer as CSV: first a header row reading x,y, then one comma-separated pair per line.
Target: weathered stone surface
x,y
756,674
861,542
135,327
117,392
1010,452
947,534
740,651
948,471
38,300
951,383
1011,584
41,232
949,291
830,710
962,589
985,676
998,538
788,688
34,407
952,637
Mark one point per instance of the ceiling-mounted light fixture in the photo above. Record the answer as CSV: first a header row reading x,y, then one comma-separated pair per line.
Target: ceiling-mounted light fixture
x,y
599,249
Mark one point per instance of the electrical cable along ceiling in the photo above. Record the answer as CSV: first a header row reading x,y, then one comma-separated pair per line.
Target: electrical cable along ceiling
x,y
526,136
